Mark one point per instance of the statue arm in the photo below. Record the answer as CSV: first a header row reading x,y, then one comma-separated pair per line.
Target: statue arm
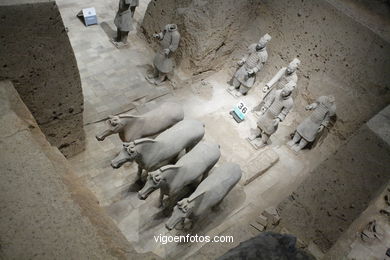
x,y
268,102
311,106
258,67
326,120
159,36
243,59
284,112
331,112
174,42
275,78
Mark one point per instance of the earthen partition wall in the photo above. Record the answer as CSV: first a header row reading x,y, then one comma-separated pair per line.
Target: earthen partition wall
x,y
38,58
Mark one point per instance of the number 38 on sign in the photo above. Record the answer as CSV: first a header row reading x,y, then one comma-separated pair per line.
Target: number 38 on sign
x,y
239,112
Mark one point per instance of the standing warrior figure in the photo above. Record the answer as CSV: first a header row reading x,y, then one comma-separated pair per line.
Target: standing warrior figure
x,y
163,61
324,108
245,76
123,21
273,112
284,76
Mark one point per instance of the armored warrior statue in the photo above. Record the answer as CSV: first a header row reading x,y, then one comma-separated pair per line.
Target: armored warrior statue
x,y
123,21
284,75
324,108
245,76
163,61
273,112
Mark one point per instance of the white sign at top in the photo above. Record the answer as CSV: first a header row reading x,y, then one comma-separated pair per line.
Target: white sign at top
x,y
89,15
87,12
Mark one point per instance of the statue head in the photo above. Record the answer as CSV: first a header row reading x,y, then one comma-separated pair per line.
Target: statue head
x,y
127,154
131,149
114,124
292,67
152,183
331,99
263,42
171,27
155,180
181,211
288,89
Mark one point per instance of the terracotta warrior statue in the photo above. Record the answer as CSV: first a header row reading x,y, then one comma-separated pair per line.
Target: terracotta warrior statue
x,y
324,108
273,112
163,61
245,76
123,21
284,75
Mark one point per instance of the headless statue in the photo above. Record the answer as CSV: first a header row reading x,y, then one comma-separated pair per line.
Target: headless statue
x,y
123,21
323,109
163,61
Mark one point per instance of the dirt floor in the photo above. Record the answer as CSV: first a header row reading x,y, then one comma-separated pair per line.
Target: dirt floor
x,y
338,190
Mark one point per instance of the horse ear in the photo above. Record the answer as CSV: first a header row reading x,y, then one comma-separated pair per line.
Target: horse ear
x,y
144,140
199,196
129,116
167,167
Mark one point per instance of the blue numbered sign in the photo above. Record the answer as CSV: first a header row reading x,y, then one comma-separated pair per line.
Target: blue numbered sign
x,y
239,111
90,17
